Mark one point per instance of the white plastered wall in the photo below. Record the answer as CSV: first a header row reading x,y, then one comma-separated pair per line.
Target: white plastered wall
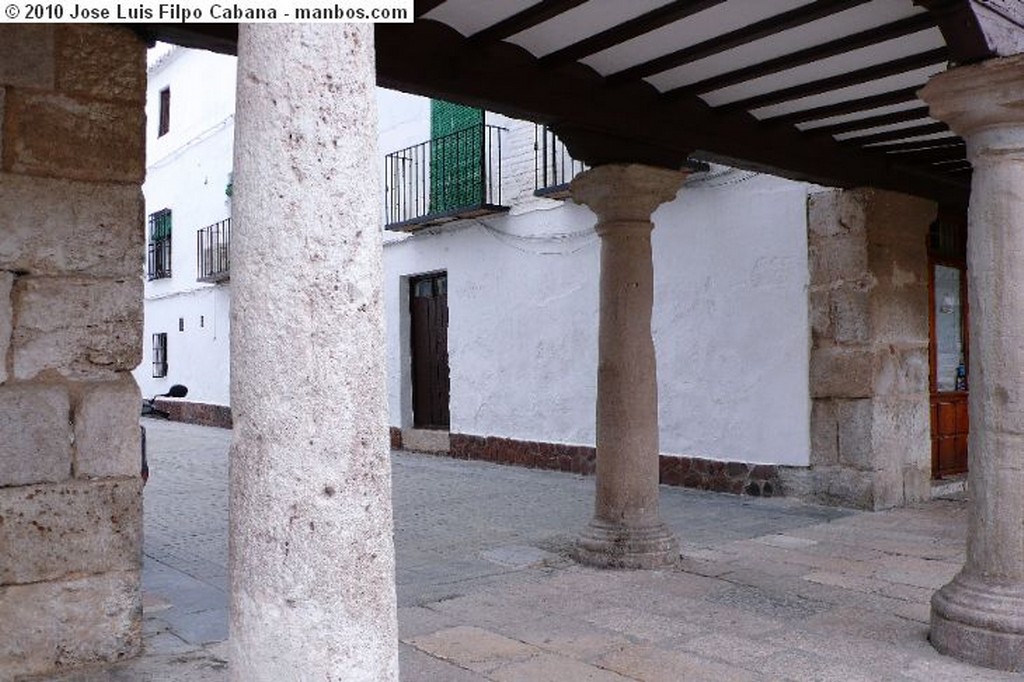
x,y
188,171
730,320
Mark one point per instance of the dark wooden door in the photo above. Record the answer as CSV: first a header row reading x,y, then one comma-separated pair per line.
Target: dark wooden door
x,y
428,308
950,360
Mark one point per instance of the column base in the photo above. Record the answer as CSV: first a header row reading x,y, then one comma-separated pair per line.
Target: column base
x,y
608,545
980,621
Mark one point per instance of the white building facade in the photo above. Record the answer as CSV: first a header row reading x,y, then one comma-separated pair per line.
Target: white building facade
x,y
731,330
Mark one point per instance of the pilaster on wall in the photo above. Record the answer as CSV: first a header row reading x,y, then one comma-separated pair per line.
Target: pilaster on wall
x,y
71,250
868,303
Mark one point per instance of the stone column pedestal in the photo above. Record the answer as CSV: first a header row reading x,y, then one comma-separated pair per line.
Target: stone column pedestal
x,y
979,616
626,531
311,549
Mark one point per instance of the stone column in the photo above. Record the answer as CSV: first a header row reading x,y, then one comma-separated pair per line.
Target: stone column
x,y
979,616
626,530
72,161
311,549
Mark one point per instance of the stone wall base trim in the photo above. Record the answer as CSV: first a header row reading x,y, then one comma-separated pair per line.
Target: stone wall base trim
x,y
396,437
204,414
738,478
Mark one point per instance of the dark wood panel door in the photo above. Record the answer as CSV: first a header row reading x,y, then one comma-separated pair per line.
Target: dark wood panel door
x,y
428,309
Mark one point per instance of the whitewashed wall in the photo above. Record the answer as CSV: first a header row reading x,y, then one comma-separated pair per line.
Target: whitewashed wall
x,y
188,170
730,320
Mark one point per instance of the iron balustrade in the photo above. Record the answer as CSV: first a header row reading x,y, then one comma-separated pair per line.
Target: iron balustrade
x,y
449,177
213,244
159,258
554,167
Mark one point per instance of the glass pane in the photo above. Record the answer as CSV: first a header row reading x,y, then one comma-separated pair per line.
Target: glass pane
x,y
950,373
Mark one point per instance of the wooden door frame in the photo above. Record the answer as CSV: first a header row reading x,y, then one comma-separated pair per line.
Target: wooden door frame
x,y
958,262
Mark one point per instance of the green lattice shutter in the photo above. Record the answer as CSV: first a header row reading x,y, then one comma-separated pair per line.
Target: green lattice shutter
x,y
456,156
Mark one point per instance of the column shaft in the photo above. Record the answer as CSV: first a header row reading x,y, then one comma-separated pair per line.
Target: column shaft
x,y
311,552
626,530
979,616
627,386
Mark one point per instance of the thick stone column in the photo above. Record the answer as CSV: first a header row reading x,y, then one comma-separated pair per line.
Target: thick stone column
x,y
311,549
979,616
868,305
626,530
72,160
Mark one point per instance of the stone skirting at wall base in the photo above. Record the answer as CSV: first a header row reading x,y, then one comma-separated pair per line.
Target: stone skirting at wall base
x,y
738,478
204,414
396,437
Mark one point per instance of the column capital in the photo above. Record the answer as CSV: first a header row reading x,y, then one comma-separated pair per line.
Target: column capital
x,y
626,192
983,103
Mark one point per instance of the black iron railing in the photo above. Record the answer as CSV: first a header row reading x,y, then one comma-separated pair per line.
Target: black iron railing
x,y
446,178
213,244
554,167
159,258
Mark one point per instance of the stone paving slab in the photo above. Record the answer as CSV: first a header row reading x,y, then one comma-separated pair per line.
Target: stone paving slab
x,y
766,589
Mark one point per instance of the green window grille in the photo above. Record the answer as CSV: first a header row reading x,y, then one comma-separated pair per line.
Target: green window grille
x,y
159,259
456,156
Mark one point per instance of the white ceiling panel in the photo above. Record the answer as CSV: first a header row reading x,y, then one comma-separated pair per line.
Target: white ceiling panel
x,y
854,20
909,79
472,16
936,137
853,135
581,22
694,29
878,111
922,41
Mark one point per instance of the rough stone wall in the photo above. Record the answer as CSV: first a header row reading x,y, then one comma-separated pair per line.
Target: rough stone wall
x,y
71,253
868,302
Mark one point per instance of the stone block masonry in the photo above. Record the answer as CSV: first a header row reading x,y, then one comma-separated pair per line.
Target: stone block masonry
x,y
868,310
71,253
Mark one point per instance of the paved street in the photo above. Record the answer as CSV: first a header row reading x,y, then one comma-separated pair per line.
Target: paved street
x,y
766,590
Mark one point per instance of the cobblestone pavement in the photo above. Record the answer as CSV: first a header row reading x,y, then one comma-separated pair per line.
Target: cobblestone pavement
x,y
766,589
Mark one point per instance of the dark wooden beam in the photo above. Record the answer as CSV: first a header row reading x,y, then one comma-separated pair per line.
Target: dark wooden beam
x,y
761,29
845,80
222,38
918,145
846,107
645,23
872,36
528,18
431,59
898,134
421,7
871,122
930,156
976,30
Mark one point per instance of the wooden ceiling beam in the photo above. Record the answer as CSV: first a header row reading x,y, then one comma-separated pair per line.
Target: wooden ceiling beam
x,y
528,18
422,7
898,134
872,36
920,145
645,23
976,30
741,36
871,122
846,107
845,80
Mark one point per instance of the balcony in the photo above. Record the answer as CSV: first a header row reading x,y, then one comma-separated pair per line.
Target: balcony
x,y
448,178
213,244
554,168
